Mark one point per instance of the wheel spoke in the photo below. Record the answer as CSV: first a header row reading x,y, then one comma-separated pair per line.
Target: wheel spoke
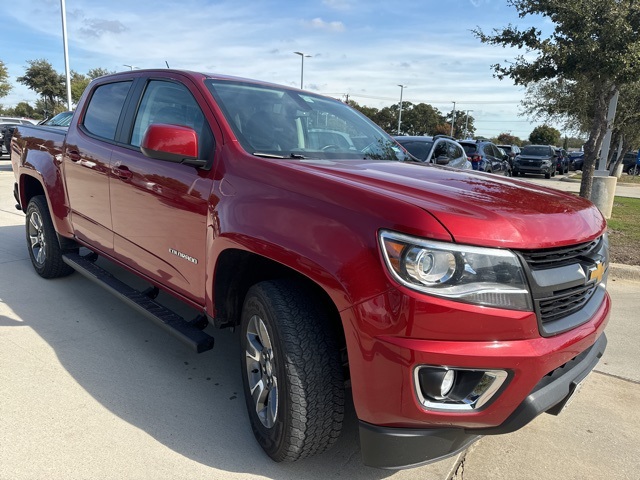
x,y
264,335
35,221
34,241
41,256
272,403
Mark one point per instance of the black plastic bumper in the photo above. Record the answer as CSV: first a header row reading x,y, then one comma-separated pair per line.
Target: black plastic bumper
x,y
389,447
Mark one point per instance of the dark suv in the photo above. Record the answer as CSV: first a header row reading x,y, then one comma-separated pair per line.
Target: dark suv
x,y
538,159
440,149
486,157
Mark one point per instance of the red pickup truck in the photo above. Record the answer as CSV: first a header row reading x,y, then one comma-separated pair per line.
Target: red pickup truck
x,y
452,304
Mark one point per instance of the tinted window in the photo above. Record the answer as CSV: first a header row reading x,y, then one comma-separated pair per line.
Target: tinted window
x,y
454,151
417,149
469,149
104,109
440,150
537,150
171,103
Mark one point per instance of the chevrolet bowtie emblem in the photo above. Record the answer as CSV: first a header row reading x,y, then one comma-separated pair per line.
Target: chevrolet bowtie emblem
x,y
597,272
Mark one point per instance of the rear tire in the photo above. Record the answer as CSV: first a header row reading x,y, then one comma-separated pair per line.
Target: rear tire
x,y
291,371
42,241
547,175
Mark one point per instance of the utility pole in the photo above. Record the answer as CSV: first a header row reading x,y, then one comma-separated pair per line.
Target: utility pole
x,y
453,118
466,125
402,87
63,12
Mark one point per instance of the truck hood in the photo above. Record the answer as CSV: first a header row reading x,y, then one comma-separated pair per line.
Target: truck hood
x,y
476,208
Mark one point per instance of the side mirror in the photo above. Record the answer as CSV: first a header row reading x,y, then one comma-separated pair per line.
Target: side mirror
x,y
442,160
172,143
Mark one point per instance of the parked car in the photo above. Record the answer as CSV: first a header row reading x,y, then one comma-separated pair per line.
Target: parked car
x,y
630,162
60,120
439,305
576,160
512,151
562,161
538,159
440,149
17,121
6,132
486,157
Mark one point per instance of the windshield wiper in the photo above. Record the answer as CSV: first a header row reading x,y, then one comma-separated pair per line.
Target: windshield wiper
x,y
267,155
297,156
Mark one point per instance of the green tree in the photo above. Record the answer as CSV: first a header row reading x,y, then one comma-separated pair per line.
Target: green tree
x,y
594,43
420,119
23,109
78,83
545,135
41,77
508,139
5,86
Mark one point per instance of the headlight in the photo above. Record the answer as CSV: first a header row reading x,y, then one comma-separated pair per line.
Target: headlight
x,y
483,276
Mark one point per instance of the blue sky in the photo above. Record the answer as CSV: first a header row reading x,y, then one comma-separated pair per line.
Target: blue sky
x,y
364,48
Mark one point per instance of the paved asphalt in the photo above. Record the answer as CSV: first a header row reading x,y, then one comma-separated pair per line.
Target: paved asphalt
x,y
91,390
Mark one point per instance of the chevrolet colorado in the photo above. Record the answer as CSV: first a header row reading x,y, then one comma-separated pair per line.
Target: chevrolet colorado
x,y
453,304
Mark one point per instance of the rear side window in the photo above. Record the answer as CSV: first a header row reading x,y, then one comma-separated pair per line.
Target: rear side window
x,y
470,149
105,106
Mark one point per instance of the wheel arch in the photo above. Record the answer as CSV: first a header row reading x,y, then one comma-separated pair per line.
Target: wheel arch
x,y
237,270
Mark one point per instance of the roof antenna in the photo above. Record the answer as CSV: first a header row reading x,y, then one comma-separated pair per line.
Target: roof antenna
x,y
167,64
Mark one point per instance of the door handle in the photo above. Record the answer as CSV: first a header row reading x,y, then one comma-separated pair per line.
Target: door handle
x,y
122,172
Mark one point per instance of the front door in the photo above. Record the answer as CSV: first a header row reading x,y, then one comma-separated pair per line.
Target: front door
x,y
159,209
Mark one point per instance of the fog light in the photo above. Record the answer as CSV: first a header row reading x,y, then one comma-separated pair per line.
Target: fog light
x,y
447,383
445,388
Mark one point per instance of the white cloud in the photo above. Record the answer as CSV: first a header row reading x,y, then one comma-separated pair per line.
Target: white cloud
x,y
322,25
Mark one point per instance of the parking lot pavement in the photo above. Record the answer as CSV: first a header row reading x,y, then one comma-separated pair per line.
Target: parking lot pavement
x,y
90,389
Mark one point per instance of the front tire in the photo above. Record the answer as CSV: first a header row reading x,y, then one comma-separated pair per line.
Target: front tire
x,y
291,371
42,241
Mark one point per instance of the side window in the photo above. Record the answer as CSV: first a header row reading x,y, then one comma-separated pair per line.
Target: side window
x,y
455,151
439,150
171,103
105,106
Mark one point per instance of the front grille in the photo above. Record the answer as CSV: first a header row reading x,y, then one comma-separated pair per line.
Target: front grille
x,y
558,257
565,303
564,296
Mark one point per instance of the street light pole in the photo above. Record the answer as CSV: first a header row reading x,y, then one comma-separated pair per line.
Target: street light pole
x,y
453,118
302,55
466,125
63,12
402,87
131,67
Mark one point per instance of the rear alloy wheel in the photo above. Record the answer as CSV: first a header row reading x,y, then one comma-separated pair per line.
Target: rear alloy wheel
x,y
44,248
291,371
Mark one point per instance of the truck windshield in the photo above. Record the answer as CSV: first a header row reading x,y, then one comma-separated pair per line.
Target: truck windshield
x,y
281,123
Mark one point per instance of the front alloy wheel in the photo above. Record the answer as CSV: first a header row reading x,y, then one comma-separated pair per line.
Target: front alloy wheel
x,y
261,371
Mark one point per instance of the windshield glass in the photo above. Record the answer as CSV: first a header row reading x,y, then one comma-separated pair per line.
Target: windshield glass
x,y
536,150
60,120
419,149
277,122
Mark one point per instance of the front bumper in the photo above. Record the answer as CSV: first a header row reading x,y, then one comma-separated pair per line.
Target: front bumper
x,y
389,447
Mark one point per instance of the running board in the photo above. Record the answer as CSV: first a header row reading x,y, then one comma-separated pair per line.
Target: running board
x,y
189,333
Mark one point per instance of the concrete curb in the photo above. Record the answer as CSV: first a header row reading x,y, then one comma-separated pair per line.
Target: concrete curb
x,y
624,272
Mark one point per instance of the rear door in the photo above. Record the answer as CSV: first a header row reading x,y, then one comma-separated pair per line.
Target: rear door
x,y
86,163
160,209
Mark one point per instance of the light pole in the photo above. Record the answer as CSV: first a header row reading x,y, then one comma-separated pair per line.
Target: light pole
x,y
466,125
63,12
302,55
453,118
131,67
402,87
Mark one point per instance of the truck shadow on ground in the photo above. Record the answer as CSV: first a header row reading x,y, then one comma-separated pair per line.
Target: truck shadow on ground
x,y
192,404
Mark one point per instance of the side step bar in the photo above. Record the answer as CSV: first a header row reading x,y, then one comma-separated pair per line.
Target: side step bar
x,y
188,332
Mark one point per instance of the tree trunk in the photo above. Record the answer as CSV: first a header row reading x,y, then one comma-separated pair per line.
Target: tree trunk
x,y
596,135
